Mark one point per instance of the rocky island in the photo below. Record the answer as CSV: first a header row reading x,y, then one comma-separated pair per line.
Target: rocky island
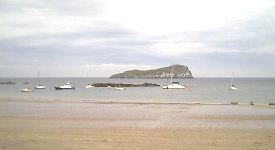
x,y
177,71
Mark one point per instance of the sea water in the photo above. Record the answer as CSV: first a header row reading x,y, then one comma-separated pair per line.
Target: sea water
x,y
203,90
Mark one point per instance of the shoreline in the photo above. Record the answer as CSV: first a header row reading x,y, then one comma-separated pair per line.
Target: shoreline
x,y
63,125
145,114
58,100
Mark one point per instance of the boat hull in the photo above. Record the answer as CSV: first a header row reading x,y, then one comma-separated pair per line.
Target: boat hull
x,y
63,88
40,87
120,88
89,86
232,88
26,90
174,87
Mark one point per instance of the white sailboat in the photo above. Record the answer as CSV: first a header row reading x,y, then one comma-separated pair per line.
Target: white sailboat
x,y
88,86
173,85
119,88
67,86
39,86
26,90
232,86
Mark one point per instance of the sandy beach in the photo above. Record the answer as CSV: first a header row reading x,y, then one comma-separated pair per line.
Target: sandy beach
x,y
82,125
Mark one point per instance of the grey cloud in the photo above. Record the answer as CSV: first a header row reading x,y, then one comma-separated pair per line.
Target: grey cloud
x,y
115,45
251,35
107,42
68,7
33,16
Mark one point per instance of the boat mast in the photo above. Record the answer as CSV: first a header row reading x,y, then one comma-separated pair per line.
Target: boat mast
x,y
87,73
38,78
171,73
232,78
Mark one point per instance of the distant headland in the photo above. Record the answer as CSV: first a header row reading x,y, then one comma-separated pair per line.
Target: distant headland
x,y
177,71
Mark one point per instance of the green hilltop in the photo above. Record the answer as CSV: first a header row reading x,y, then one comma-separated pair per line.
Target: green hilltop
x,y
177,71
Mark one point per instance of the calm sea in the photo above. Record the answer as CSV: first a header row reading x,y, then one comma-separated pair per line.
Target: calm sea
x,y
205,90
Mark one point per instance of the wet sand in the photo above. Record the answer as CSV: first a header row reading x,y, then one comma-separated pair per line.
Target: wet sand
x,y
75,125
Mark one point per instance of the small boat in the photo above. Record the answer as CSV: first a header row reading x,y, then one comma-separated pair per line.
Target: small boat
x,y
109,87
39,86
120,88
26,90
89,86
173,85
232,86
67,86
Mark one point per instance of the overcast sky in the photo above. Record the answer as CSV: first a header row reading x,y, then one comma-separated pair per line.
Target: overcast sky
x,y
101,37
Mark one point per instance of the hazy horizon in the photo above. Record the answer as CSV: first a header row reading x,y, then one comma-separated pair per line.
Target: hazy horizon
x,y
100,37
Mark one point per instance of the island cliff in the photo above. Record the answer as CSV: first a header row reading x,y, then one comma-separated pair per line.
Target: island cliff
x,y
177,71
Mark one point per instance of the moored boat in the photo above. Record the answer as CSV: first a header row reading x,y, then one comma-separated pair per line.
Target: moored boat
x,y
173,85
232,86
39,86
89,86
67,86
26,90
120,88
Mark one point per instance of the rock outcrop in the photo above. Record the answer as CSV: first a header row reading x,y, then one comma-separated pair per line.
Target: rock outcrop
x,y
177,71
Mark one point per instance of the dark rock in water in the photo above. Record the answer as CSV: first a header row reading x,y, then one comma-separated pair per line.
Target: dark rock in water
x,y
251,102
177,71
146,85
111,84
124,85
234,103
8,82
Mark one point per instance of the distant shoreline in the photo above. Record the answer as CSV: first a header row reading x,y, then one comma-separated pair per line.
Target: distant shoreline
x,y
107,77
152,77
56,100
